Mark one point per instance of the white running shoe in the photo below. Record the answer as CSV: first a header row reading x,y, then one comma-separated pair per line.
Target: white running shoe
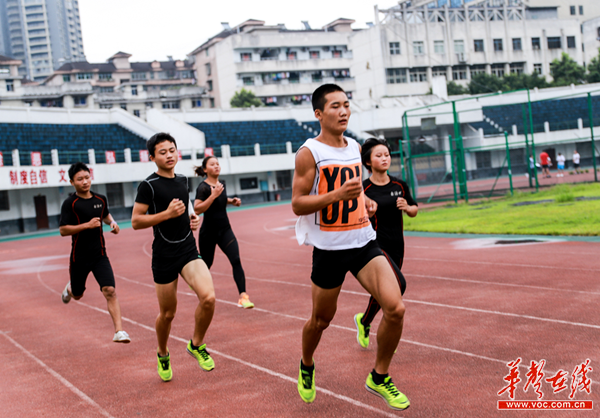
x,y
121,337
66,298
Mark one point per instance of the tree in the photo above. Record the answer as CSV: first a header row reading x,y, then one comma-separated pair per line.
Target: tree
x,y
245,98
455,89
485,83
566,71
593,75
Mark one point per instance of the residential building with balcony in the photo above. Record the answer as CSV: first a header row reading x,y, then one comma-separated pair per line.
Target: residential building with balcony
x,y
412,43
42,34
279,65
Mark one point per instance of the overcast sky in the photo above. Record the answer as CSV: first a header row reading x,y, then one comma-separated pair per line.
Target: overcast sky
x,y
153,29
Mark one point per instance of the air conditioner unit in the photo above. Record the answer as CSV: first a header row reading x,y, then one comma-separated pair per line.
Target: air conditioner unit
x,y
461,57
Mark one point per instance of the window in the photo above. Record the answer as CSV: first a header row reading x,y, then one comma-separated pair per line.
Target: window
x,y
438,47
248,81
114,195
67,77
477,69
554,42
185,74
498,45
207,66
212,102
209,84
394,48
571,42
136,113
314,55
517,68
438,71
106,106
396,75
581,10
84,76
124,106
418,48
138,76
459,46
292,55
79,100
537,68
535,43
284,179
517,44
10,85
317,77
484,159
206,52
336,54
573,12
170,105
106,89
459,72
4,202
246,56
105,76
134,90
498,70
478,44
418,75
249,183
196,103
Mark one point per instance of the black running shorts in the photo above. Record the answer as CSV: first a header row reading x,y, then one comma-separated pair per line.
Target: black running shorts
x,y
330,267
167,269
101,269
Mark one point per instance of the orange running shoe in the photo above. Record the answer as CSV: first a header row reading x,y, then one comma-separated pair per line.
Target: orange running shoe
x,y
244,302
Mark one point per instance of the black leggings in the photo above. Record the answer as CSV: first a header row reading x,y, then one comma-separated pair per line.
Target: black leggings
x,y
227,242
374,306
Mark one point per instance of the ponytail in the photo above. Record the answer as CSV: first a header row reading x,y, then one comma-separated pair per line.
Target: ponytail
x,y
201,171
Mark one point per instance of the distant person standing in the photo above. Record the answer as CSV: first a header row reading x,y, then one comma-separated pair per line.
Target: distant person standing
x,y
545,161
81,217
560,165
576,160
211,200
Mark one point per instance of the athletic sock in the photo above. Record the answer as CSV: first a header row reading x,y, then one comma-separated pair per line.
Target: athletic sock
x,y
194,347
378,379
163,356
307,368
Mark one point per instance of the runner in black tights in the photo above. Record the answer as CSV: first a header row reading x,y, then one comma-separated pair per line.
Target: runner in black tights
x,y
212,200
393,198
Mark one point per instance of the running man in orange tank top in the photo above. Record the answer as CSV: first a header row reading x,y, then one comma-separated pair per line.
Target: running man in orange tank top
x,y
333,215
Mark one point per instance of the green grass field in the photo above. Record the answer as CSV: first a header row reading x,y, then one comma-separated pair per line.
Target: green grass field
x,y
566,214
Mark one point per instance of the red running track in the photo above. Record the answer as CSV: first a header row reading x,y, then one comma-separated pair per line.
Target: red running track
x,y
469,312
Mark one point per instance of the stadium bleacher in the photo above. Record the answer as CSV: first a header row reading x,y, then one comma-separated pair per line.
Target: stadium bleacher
x,y
270,134
561,114
72,141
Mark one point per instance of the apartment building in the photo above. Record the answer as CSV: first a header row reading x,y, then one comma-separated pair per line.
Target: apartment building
x,y
412,43
281,66
42,34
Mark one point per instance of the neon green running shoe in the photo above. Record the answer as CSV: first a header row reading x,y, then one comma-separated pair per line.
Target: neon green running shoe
x,y
394,398
164,367
306,385
205,361
362,332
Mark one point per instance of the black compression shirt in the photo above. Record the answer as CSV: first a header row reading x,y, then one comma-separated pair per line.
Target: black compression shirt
x,y
172,237
387,221
89,243
215,217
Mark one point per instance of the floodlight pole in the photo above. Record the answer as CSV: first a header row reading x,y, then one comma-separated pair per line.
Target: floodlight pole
x,y
591,116
411,180
509,165
537,184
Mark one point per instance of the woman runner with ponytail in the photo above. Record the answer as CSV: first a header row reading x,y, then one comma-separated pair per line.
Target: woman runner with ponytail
x,y
212,200
393,197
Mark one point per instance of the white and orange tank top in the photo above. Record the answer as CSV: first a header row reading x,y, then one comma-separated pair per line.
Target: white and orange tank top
x,y
344,224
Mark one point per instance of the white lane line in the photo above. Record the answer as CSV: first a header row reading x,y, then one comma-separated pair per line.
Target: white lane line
x,y
58,377
586,292
252,365
500,264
